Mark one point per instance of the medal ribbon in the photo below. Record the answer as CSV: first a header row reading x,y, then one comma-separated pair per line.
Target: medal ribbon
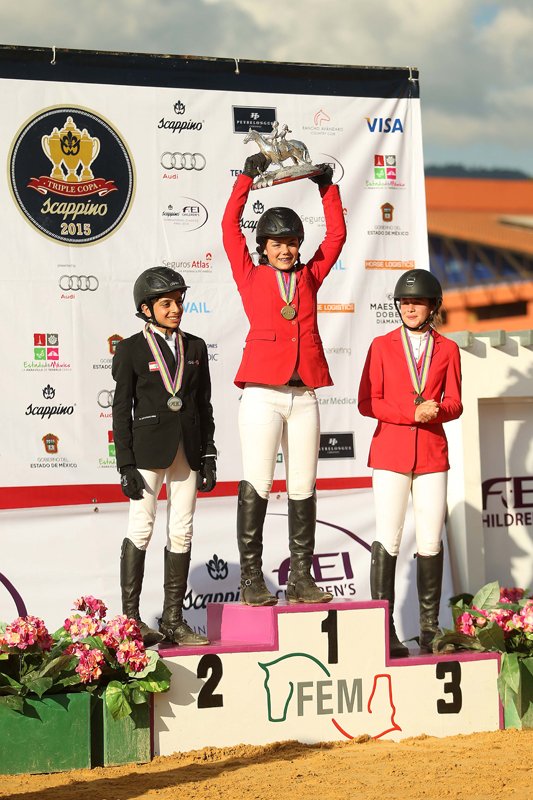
x,y
419,375
172,385
286,285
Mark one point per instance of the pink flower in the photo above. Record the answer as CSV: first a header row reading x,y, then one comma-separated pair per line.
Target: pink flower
x,y
89,661
120,628
27,631
133,655
81,627
89,665
465,624
511,595
527,616
502,617
516,623
91,605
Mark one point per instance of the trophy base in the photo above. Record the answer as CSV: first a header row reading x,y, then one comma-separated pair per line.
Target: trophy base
x,y
286,175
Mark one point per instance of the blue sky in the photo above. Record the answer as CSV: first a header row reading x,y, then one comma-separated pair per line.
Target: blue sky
x,y
475,56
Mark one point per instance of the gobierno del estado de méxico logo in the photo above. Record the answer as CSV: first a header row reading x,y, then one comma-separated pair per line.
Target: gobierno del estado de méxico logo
x,y
71,175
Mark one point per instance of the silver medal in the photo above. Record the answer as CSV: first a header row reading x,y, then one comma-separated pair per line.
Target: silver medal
x,y
174,403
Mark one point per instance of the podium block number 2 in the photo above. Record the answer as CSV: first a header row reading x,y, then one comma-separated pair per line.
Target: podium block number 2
x,y
207,698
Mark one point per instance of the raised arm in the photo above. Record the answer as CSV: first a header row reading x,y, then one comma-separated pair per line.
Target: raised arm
x,y
330,248
232,236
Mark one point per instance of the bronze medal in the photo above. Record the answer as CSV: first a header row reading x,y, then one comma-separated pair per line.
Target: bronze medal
x,y
174,403
288,312
419,400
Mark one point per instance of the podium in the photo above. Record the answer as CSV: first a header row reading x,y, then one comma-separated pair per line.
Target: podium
x,y
316,673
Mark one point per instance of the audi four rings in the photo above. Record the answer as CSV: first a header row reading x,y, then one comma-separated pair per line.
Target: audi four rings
x,y
105,398
186,161
79,283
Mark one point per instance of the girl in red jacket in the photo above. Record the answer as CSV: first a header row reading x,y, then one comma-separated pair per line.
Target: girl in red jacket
x,y
282,364
411,384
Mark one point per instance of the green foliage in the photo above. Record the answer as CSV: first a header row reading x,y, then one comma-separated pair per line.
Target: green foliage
x,y
88,654
501,620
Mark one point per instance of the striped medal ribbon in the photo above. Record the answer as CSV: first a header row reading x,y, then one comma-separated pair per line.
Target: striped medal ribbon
x,y
287,288
172,385
419,375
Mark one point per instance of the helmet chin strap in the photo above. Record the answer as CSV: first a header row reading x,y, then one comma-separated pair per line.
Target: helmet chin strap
x,y
153,319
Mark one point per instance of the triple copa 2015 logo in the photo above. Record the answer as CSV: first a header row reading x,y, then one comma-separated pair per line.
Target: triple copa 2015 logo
x,y
71,175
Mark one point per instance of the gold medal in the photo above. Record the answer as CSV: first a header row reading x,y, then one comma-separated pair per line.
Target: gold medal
x,y
288,312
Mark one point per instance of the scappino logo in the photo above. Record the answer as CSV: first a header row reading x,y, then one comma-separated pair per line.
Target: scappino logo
x,y
71,175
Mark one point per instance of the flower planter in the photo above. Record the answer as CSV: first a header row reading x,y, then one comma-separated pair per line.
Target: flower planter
x,y
51,736
115,675
119,741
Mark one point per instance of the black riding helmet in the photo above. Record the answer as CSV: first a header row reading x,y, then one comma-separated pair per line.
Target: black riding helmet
x,y
418,283
277,223
154,283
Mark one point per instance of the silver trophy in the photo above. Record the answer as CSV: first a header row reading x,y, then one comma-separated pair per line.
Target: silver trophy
x,y
277,148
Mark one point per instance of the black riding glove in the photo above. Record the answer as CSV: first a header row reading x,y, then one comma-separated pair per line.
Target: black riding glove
x,y
326,176
207,475
255,164
131,482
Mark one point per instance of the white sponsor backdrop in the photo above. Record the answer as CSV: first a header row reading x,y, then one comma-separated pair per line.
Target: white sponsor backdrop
x,y
56,411
52,556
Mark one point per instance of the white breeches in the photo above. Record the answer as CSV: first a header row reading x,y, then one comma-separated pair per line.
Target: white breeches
x,y
391,493
273,416
181,502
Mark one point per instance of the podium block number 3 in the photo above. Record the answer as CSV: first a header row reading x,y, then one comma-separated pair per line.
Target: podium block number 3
x,y
451,669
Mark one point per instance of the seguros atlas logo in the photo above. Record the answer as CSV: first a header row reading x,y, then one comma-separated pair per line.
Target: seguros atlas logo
x,y
71,175
203,264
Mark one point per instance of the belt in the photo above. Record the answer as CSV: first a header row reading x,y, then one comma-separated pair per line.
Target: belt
x,y
297,382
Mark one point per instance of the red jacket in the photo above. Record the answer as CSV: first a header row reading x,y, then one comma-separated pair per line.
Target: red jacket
x,y
276,347
386,393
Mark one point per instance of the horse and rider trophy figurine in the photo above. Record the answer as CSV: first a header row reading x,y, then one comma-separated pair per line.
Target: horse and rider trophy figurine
x,y
277,148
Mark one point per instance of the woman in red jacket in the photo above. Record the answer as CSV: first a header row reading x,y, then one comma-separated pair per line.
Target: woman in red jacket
x,y
411,384
283,362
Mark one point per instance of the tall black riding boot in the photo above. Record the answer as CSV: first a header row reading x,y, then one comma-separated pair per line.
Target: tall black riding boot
x,y
131,580
251,511
429,585
382,575
301,588
172,625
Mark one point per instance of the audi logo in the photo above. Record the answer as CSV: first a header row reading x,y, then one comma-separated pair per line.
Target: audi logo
x,y
188,161
79,283
105,398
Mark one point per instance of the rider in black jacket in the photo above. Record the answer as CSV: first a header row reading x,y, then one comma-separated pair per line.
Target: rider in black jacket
x,y
163,431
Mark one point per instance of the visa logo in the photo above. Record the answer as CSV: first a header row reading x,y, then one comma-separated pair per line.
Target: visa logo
x,y
384,125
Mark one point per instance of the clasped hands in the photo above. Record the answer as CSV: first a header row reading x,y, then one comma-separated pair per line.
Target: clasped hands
x,y
426,411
